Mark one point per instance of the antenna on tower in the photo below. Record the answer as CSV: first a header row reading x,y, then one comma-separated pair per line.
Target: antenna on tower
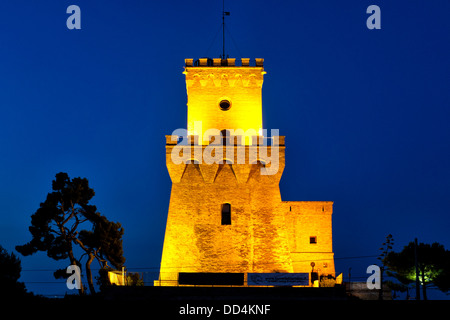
x,y
224,13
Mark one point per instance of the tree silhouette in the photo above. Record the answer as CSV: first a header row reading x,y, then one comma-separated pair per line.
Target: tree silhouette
x,y
385,249
55,228
10,269
433,266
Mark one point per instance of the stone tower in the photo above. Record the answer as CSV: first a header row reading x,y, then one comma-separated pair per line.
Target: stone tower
x,y
226,215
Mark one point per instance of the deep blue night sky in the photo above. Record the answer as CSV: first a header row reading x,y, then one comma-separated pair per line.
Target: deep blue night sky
x,y
365,113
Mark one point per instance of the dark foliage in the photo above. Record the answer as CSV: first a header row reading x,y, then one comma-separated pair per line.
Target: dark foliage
x,y
66,219
10,268
433,265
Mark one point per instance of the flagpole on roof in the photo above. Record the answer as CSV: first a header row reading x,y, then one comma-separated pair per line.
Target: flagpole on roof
x,y
224,13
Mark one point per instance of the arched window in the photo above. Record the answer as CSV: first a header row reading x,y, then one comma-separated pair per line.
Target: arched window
x,y
227,161
226,214
192,161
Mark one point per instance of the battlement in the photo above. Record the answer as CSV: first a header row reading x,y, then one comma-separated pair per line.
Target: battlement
x,y
233,140
228,62
246,162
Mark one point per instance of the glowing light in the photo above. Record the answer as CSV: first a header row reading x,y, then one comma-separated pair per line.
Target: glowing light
x,y
263,234
224,98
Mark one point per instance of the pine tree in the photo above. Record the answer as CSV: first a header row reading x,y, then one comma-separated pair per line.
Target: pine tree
x,y
56,228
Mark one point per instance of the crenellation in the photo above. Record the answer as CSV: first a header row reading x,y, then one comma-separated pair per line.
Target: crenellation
x,y
228,62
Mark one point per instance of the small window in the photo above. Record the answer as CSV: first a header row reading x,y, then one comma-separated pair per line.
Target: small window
x,y
313,240
226,214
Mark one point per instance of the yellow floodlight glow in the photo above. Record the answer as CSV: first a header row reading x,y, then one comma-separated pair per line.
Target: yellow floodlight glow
x,y
224,98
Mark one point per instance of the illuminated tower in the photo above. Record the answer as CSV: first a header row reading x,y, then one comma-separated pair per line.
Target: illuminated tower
x,y
226,215
224,97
